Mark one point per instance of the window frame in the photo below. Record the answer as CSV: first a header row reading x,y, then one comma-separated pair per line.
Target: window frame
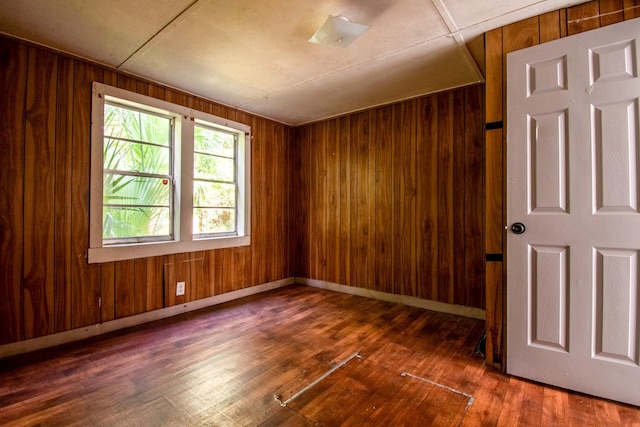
x,y
183,155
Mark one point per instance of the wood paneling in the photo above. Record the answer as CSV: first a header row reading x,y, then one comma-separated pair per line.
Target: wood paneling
x,y
63,190
445,197
538,29
85,278
473,242
407,205
13,84
39,181
382,133
426,198
583,17
46,285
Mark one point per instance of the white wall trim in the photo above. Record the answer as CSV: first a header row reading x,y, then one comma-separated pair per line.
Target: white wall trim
x,y
46,341
458,310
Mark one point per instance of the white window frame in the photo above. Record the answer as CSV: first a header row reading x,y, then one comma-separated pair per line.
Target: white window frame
x,y
183,239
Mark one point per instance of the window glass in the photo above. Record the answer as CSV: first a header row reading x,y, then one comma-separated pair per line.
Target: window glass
x,y
214,185
165,178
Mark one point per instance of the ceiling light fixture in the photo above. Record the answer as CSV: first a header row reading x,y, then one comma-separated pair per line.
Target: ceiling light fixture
x,y
338,31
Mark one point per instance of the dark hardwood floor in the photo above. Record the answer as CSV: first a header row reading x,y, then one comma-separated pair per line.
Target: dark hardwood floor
x,y
332,359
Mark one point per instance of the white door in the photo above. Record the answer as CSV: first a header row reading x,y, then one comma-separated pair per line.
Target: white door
x,y
572,179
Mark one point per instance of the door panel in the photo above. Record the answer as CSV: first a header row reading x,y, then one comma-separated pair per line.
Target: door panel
x,y
549,292
572,178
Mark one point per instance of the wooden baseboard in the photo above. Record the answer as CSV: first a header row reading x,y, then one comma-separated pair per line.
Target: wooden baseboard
x,y
52,340
458,310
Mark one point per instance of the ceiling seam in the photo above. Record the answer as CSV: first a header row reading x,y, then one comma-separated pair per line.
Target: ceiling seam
x,y
456,34
153,37
352,66
445,15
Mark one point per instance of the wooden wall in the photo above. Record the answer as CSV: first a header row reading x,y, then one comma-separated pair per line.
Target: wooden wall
x,y
46,285
498,43
391,199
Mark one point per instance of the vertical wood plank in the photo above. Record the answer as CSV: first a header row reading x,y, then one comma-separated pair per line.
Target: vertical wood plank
x,y
39,185
427,198
363,194
125,278
208,273
13,83
319,200
631,9
126,82
200,288
550,26
519,35
140,283
563,22
259,203
371,203
63,190
459,289
344,146
493,85
303,159
196,275
155,292
332,250
494,313
611,12
493,190
110,78
218,259
279,206
85,278
446,174
107,292
583,17
269,202
229,271
240,267
474,196
289,185
381,136
169,275
408,200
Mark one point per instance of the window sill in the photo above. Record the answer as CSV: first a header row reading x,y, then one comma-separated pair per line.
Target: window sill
x,y
144,250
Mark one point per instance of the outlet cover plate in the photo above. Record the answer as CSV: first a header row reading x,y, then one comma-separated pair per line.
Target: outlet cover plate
x,y
180,289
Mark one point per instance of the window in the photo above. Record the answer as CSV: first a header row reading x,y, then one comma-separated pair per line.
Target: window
x,y
164,178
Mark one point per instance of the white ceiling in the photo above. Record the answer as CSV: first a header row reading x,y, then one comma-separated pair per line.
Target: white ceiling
x,y
254,55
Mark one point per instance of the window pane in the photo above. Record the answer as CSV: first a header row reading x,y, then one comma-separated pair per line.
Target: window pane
x,y
214,142
133,156
213,220
120,122
136,190
213,195
123,222
213,167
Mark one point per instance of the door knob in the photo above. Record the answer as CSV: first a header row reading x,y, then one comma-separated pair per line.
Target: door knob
x,y
518,228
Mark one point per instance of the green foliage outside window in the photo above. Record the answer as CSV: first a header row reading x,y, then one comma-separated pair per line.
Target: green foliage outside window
x,y
137,174
214,186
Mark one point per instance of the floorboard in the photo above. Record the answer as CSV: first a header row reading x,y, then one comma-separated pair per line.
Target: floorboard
x,y
236,363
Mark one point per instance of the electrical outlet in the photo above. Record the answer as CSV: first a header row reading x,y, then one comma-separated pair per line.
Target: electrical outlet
x,y
180,289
